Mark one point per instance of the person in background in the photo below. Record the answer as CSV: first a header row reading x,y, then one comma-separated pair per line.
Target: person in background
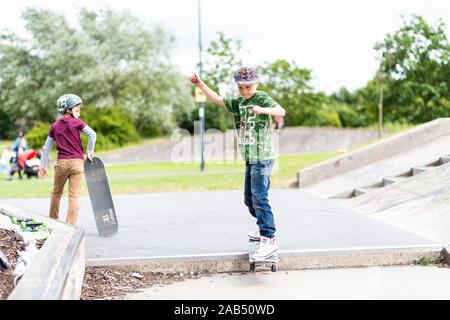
x,y
5,161
278,123
65,132
20,145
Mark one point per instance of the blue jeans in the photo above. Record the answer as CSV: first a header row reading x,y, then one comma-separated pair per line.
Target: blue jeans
x,y
256,191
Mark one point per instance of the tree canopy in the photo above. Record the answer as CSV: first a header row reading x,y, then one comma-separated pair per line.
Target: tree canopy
x,y
113,61
109,59
415,61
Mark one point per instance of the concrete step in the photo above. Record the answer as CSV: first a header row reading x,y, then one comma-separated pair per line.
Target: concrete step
x,y
391,180
417,170
435,164
361,191
444,159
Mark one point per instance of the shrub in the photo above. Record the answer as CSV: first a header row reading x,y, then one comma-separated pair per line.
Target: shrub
x,y
112,125
37,135
351,118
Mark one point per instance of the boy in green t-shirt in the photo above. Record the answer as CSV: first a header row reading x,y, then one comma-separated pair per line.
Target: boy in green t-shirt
x,y
252,111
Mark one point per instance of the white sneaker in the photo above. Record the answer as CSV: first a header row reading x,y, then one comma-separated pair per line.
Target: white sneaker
x,y
256,236
267,247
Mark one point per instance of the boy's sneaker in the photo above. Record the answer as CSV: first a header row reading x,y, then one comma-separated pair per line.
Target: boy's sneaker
x,y
256,236
267,247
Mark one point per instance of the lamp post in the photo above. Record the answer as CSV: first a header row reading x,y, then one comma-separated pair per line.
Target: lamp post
x,y
380,77
201,110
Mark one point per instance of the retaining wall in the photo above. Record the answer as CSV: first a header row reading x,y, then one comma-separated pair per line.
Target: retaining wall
x,y
57,270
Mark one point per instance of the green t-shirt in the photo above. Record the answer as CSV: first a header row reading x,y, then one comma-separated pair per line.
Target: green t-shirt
x,y
253,131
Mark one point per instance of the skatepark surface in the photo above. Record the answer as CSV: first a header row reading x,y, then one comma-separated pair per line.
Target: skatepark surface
x,y
212,225
216,223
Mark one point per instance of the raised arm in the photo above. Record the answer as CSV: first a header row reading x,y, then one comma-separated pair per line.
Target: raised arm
x,y
213,96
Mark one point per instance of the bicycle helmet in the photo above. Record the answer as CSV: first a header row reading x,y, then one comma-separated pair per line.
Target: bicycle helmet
x,y
67,101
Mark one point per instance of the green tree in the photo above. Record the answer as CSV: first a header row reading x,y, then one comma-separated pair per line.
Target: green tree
x,y
222,58
108,59
416,61
289,85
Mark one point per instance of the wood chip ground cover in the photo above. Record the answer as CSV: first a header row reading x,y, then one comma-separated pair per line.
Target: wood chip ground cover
x,y
11,248
102,283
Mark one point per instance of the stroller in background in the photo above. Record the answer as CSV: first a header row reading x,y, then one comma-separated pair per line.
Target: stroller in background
x,y
29,163
31,168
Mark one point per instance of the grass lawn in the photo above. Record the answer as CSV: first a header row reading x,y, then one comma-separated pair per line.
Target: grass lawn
x,y
5,143
169,177
174,177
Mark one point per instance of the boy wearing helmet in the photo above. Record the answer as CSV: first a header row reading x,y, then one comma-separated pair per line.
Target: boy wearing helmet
x,y
65,132
252,111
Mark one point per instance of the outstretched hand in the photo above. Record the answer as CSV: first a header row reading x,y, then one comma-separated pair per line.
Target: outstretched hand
x,y
195,79
89,156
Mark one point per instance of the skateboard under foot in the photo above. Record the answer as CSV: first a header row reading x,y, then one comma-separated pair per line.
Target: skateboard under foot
x,y
270,262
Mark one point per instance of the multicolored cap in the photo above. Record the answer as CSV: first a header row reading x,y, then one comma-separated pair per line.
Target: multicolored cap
x,y
67,101
246,75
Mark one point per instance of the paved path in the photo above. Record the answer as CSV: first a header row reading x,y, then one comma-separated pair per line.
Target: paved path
x,y
385,283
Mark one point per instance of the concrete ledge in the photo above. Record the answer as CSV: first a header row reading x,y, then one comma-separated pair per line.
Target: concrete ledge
x,y
57,271
288,260
446,255
374,152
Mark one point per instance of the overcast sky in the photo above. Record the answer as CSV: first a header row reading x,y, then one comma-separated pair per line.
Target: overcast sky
x,y
333,38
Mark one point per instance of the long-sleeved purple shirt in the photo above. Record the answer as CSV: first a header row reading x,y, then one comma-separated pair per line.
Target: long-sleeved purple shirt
x,y
66,133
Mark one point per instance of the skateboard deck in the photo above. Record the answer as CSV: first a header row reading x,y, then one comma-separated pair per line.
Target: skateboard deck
x,y
100,195
270,262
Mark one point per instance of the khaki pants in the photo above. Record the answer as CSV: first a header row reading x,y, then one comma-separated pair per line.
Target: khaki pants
x,y
73,170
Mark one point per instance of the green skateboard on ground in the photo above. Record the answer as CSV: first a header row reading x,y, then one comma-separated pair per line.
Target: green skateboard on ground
x,y
31,229
15,220
270,262
100,195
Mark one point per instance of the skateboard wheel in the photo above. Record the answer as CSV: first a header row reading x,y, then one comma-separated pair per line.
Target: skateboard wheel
x,y
252,267
44,225
274,268
23,225
14,220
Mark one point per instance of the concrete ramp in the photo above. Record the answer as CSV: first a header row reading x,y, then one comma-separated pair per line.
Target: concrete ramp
x,y
419,204
403,180
418,144
375,173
